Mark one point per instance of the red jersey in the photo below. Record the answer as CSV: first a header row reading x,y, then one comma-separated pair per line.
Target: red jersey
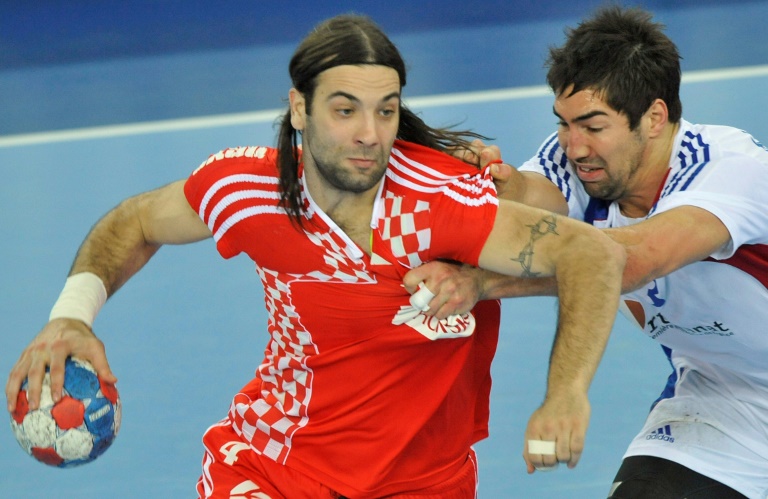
x,y
346,394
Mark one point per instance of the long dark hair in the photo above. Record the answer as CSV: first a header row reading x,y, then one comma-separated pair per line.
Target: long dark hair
x,y
348,40
624,55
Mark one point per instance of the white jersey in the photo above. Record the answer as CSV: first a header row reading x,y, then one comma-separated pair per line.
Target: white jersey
x,y
711,317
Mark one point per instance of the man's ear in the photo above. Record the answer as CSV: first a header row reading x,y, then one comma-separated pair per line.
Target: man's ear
x,y
298,109
658,115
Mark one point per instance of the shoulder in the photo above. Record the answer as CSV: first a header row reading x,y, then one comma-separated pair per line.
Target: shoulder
x,y
244,157
698,144
231,170
422,172
407,155
714,157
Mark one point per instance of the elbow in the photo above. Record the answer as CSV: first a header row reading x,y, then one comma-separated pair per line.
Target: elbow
x,y
605,254
618,252
636,276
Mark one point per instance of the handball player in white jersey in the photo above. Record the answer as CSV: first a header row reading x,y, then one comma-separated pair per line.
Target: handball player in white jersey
x,y
689,204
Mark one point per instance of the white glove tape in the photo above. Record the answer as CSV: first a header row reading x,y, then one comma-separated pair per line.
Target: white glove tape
x,y
82,298
543,447
421,298
547,468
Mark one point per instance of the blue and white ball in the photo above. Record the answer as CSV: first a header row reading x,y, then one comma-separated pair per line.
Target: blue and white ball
x,y
75,430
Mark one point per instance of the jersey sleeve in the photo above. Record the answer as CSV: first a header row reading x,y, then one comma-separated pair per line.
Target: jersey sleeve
x,y
229,186
463,217
550,160
734,191
462,201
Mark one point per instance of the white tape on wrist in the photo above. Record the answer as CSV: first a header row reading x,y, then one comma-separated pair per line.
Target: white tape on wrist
x,y
82,297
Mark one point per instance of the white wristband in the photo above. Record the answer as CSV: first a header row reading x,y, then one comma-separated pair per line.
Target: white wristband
x,y
82,298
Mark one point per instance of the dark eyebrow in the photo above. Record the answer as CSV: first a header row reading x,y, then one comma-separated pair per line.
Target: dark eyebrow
x,y
340,93
583,117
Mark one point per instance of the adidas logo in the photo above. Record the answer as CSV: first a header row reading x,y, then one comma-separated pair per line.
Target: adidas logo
x,y
664,433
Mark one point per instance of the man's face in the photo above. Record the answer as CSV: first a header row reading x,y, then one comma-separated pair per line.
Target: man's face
x,y
354,119
597,140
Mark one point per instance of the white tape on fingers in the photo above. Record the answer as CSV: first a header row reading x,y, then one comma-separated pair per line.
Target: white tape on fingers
x,y
421,298
547,468
543,447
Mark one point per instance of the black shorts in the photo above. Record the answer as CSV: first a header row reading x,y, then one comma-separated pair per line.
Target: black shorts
x,y
646,477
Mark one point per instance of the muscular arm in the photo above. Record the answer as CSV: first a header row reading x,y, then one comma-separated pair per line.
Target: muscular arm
x,y
457,293
587,267
117,247
124,240
668,241
655,247
531,189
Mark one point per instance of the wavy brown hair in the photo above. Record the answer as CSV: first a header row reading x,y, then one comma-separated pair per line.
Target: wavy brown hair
x,y
348,40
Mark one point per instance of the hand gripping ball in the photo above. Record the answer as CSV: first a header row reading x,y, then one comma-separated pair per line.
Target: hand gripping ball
x,y
77,429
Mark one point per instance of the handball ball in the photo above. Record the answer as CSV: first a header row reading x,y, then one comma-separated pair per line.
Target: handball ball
x,y
75,430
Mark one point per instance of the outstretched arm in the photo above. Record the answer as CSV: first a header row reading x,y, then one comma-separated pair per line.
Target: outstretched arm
x,y
655,247
457,289
117,247
587,266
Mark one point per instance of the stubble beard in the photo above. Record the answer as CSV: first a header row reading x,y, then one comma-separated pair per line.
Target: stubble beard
x,y
327,160
613,188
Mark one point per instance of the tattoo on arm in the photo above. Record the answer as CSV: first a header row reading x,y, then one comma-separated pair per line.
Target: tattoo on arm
x,y
547,225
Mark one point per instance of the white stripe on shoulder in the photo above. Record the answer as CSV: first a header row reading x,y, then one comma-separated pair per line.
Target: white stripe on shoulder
x,y
246,213
231,179
470,201
414,166
227,200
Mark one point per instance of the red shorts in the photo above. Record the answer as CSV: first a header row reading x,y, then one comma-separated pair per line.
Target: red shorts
x,y
232,470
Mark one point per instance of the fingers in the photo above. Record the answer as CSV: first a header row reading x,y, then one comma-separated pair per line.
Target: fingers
x,y
57,358
488,154
102,368
546,451
546,455
449,300
416,276
576,448
454,289
59,339
469,155
421,298
556,433
13,385
501,172
478,153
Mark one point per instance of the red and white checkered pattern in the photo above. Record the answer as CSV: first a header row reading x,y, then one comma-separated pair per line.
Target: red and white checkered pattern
x,y
282,414
405,227
269,422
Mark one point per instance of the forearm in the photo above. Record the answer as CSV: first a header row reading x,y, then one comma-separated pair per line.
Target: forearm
x,y
496,286
586,314
116,247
